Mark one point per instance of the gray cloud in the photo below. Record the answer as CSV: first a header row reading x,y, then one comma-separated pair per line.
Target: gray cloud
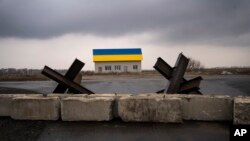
x,y
190,21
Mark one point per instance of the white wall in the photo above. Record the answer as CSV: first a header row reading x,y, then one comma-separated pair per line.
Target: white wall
x,y
122,64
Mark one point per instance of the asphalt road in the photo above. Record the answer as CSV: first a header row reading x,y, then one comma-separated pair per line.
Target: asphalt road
x,y
116,130
119,131
232,85
13,130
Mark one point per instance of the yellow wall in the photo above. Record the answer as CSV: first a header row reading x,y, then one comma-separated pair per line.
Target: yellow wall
x,y
100,58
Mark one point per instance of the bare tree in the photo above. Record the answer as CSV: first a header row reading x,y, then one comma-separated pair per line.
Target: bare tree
x,y
194,65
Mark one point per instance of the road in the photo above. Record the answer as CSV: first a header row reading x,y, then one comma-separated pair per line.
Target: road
x,y
16,130
232,85
117,130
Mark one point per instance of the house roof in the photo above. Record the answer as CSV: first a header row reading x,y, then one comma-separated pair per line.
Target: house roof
x,y
115,55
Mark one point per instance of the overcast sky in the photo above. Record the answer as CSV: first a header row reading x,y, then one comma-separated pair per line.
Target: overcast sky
x,y
55,32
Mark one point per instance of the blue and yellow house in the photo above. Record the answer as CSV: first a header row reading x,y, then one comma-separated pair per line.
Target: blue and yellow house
x,y
117,60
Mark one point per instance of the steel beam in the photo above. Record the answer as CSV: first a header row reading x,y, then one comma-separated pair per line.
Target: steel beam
x,y
163,67
65,82
193,83
178,84
78,80
178,73
71,74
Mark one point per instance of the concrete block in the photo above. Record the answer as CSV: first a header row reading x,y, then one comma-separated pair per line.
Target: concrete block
x,y
35,108
58,95
87,109
61,96
151,95
22,95
116,97
242,110
150,109
123,95
207,108
5,102
108,95
102,95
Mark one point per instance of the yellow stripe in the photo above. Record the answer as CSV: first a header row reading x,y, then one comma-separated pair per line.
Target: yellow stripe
x,y
97,58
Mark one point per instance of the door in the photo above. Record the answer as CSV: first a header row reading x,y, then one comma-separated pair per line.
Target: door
x,y
100,69
125,68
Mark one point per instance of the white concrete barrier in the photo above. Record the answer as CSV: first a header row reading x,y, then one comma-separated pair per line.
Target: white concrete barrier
x,y
206,107
142,107
61,96
35,108
87,109
242,110
151,95
109,95
116,97
150,109
5,102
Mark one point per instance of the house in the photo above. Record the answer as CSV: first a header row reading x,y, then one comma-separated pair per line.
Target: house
x,y
117,60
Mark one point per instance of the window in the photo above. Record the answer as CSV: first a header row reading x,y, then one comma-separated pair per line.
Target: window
x,y
135,67
107,67
117,67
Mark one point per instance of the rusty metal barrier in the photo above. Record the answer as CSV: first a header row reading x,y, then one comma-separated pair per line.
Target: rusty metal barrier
x,y
175,75
69,81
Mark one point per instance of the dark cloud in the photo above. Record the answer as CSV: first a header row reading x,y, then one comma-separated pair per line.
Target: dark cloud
x,y
209,21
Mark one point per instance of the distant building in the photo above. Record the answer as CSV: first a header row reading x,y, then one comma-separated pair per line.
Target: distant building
x,y
117,60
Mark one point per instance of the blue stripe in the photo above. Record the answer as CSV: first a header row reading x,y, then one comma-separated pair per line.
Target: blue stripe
x,y
117,51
